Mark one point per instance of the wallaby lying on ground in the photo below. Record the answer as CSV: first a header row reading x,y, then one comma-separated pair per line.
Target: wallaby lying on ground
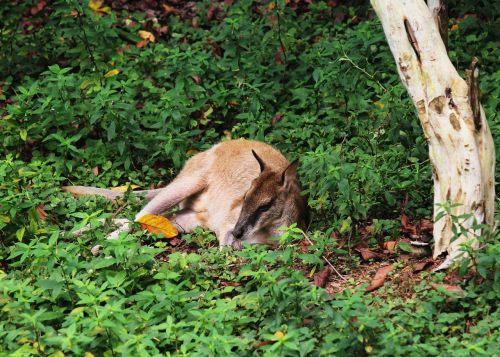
x,y
240,189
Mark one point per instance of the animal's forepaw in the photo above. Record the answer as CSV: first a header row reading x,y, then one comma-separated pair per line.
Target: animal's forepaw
x,y
124,225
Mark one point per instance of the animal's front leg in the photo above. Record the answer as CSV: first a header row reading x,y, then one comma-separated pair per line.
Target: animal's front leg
x,y
124,225
186,220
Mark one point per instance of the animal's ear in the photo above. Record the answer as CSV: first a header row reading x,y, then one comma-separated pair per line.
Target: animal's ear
x,y
289,176
262,165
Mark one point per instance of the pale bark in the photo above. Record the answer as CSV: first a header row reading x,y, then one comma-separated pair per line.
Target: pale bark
x,y
440,15
461,151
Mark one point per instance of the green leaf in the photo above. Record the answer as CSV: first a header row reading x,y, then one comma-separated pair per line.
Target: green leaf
x,y
23,133
111,131
406,247
20,233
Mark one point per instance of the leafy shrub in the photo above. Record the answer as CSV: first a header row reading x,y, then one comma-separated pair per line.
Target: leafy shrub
x,y
81,102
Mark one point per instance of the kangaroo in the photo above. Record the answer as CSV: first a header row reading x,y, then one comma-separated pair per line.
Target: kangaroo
x,y
242,190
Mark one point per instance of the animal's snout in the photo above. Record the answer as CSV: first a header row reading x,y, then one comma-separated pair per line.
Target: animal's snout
x,y
238,233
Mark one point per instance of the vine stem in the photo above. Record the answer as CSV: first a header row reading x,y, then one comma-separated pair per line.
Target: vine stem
x,y
282,44
85,39
324,258
362,70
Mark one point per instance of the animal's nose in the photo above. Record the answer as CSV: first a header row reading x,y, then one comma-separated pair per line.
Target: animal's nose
x,y
238,233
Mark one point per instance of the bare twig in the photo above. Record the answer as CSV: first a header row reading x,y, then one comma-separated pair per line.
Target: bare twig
x,y
324,258
371,76
282,44
118,211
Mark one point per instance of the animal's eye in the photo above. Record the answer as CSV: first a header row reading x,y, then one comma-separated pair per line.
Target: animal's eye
x,y
264,207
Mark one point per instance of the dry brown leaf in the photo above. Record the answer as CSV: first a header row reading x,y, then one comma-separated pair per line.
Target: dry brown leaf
x,y
196,79
158,225
141,44
278,56
306,322
169,9
162,30
390,245
38,7
418,267
175,242
321,278
407,226
211,12
216,49
448,287
262,343
95,171
276,118
367,254
379,278
41,212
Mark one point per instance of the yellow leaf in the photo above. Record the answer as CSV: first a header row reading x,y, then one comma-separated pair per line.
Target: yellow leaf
x,y
77,310
379,104
279,334
124,188
112,73
97,331
146,35
87,83
96,6
158,225
209,111
88,354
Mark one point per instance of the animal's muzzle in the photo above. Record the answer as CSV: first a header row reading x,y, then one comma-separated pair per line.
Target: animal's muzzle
x,y
238,231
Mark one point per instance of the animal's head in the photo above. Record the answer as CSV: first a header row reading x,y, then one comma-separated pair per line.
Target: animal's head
x,y
272,201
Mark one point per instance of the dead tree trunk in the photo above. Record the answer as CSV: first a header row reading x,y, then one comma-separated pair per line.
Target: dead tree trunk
x,y
461,147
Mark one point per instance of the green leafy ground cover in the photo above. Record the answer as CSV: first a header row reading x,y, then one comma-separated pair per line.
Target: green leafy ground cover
x,y
315,80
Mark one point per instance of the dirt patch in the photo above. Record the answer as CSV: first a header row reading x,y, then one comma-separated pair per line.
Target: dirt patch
x,y
406,273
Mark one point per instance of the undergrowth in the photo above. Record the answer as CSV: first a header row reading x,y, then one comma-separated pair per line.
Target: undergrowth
x,y
85,100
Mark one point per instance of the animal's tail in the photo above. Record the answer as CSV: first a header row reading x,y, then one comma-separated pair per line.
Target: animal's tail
x,y
107,193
